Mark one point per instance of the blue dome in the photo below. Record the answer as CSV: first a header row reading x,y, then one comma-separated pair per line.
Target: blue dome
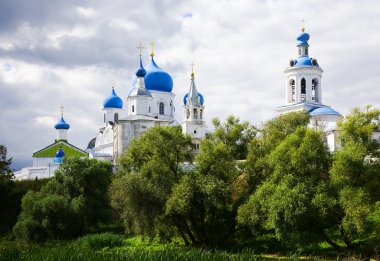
x,y
303,61
303,38
200,97
156,79
323,111
113,101
62,125
141,71
60,153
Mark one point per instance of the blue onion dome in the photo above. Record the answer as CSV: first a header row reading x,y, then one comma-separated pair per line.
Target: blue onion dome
x,y
202,100
113,101
303,38
141,71
157,79
62,125
60,153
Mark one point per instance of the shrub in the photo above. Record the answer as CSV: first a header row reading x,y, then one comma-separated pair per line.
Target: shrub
x,y
100,241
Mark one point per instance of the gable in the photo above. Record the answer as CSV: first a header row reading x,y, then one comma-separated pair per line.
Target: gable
x,y
50,151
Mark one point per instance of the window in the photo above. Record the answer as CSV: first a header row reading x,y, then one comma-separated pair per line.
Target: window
x,y
161,108
133,108
303,89
187,113
149,109
306,51
201,114
314,90
197,146
195,131
104,117
115,117
292,84
195,114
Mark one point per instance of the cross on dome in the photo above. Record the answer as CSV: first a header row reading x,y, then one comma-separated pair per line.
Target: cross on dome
x,y
151,49
140,47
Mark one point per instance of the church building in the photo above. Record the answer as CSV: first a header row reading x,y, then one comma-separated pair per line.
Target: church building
x,y
150,102
303,91
47,160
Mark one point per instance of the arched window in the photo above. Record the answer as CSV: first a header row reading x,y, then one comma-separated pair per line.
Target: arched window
x,y
104,117
187,113
133,108
201,113
292,86
314,90
115,117
195,114
161,108
303,89
148,109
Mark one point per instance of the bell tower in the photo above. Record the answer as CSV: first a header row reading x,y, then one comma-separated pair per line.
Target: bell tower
x,y
193,114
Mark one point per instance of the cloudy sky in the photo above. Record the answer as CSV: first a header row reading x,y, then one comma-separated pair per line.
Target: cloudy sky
x,y
69,52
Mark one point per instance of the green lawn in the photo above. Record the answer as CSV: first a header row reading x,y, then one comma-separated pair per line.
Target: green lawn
x,y
115,247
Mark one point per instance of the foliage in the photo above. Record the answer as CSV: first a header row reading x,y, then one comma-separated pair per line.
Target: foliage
x,y
234,134
294,200
147,172
74,201
10,202
198,207
355,175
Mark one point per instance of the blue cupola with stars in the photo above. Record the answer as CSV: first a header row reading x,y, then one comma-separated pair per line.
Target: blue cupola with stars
x,y
113,101
59,156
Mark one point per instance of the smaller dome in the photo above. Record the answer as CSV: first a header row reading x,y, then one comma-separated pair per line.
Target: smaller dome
x,y
323,111
113,101
202,100
62,125
141,71
60,153
303,38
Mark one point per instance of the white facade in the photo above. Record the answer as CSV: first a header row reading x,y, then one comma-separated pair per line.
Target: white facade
x,y
143,109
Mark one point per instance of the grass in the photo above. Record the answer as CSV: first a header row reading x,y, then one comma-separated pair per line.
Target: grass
x,y
114,247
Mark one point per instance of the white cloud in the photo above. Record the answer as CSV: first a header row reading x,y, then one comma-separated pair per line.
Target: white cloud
x,y
69,54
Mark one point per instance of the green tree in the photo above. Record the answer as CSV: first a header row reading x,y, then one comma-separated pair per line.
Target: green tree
x,y
147,171
5,163
355,175
201,205
234,134
294,200
74,201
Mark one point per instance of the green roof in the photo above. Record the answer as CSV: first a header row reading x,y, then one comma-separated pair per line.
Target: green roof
x,y
51,150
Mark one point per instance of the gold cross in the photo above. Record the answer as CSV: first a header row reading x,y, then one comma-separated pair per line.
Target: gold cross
x,y
140,47
303,25
113,83
152,49
192,69
61,110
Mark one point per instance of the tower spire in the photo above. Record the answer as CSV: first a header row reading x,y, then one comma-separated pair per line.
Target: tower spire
x,y
151,49
192,70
